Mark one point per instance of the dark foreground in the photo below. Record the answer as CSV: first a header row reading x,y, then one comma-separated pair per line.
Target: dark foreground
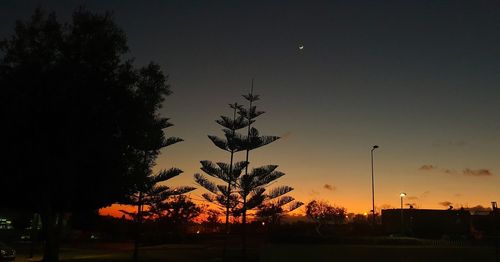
x,y
277,252
375,253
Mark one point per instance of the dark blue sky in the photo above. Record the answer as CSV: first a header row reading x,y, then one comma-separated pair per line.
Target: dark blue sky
x,y
420,78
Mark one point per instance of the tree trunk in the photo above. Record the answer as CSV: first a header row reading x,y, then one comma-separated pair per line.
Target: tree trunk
x,y
244,230
137,239
51,246
228,200
34,234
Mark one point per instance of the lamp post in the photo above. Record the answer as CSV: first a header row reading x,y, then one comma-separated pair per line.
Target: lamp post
x,y
373,188
402,195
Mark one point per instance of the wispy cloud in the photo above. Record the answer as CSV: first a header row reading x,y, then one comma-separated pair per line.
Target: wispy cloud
x,y
482,172
477,172
427,167
329,187
449,171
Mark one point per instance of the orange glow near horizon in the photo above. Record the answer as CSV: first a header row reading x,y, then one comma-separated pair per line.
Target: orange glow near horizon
x,y
114,210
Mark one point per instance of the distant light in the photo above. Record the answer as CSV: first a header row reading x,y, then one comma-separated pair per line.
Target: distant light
x,y
263,223
197,232
366,214
402,194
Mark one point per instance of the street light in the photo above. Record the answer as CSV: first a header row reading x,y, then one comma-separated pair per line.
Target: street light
x,y
402,195
373,188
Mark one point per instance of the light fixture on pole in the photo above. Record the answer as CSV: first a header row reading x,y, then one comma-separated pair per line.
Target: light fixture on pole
x,y
402,195
373,187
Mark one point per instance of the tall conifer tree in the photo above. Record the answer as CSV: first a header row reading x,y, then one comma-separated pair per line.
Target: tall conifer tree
x,y
245,191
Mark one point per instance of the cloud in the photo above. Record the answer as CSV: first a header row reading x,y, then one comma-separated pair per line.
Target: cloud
x,y
449,171
329,187
477,172
482,172
445,203
427,167
425,193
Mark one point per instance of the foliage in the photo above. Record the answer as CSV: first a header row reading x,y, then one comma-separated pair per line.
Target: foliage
x,y
79,117
227,172
155,197
244,190
178,210
323,213
272,210
212,220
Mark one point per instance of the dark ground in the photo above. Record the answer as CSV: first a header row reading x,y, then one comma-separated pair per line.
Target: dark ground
x,y
274,252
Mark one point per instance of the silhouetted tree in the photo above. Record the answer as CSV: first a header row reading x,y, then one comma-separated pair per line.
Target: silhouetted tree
x,y
242,192
77,117
151,195
274,208
173,214
177,211
223,195
212,220
247,191
323,213
251,185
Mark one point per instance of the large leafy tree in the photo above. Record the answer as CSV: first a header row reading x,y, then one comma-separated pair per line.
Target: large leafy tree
x,y
322,213
77,116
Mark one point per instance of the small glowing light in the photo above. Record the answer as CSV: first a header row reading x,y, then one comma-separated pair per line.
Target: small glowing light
x,y
263,223
301,47
402,194
366,214
197,232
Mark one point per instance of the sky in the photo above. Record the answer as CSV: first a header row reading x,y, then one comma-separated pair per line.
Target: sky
x,y
419,78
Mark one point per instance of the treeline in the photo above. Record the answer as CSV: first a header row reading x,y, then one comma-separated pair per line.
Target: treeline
x,y
83,131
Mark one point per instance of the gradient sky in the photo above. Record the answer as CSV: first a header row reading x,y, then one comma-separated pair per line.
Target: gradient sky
x,y
421,79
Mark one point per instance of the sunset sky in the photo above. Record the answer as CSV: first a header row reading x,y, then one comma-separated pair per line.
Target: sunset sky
x,y
421,79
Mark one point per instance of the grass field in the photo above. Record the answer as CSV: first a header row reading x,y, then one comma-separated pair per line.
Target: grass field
x,y
384,253
275,253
